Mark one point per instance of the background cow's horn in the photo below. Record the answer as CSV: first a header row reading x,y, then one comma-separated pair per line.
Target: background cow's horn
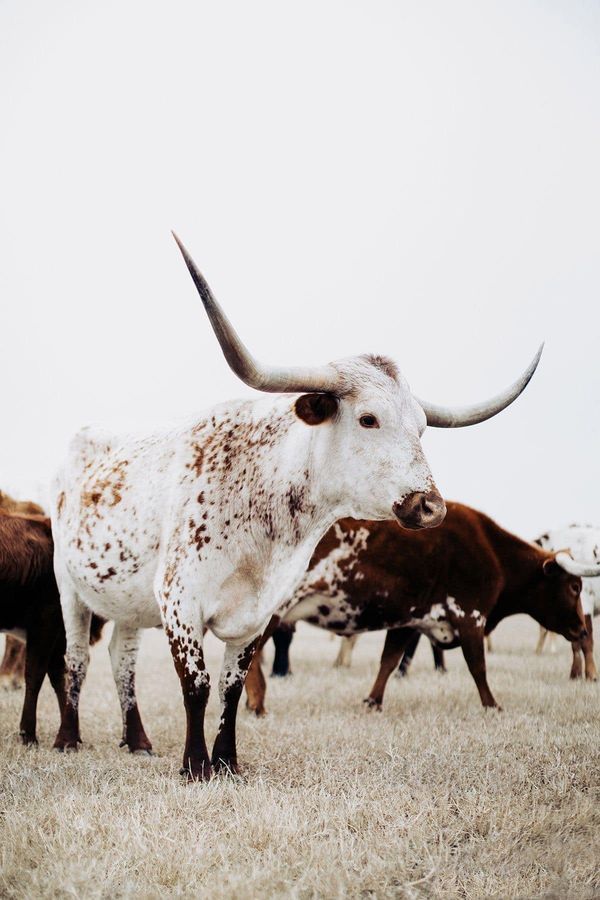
x,y
323,379
570,565
458,417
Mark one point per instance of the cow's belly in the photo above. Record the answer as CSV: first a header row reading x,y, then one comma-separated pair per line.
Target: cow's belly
x,y
344,618
131,601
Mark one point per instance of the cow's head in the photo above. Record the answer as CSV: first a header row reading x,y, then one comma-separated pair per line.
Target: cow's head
x,y
555,600
369,424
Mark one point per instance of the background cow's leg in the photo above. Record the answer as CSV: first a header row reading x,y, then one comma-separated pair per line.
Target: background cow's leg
x,y
395,643
256,686
472,645
576,667
123,651
541,640
37,654
409,652
489,647
438,659
77,619
12,667
56,673
283,636
236,663
587,644
344,657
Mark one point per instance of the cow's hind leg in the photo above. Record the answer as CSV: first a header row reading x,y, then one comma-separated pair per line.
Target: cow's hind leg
x,y
472,644
36,665
233,675
256,686
77,619
395,644
123,651
409,652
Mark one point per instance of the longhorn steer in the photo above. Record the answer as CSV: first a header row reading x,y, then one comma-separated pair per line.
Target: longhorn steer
x,y
213,524
454,584
584,543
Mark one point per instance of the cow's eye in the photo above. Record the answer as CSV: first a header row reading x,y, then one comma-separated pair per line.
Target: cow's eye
x,y
575,587
369,421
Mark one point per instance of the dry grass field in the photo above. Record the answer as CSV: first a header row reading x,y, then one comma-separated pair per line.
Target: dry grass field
x,y
432,798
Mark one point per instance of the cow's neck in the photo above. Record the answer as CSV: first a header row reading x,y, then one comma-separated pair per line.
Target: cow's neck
x,y
520,564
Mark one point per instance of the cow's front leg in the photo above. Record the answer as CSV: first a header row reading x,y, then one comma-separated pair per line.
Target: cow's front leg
x,y
233,675
472,645
587,644
185,642
77,619
576,668
123,651
395,643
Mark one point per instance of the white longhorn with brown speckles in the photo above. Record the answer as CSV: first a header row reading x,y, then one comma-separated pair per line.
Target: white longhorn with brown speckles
x,y
212,525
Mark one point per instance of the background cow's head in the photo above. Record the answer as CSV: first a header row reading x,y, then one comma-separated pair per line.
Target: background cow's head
x,y
555,598
368,425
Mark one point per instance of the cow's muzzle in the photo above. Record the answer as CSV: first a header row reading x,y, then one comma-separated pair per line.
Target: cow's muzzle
x,y
420,510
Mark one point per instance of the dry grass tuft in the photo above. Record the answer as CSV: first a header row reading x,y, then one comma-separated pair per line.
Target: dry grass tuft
x,y
432,798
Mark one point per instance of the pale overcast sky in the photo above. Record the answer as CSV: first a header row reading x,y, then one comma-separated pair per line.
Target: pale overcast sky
x,y
413,178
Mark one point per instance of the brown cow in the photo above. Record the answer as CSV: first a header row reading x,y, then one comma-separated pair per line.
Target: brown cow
x,y
30,608
12,667
453,583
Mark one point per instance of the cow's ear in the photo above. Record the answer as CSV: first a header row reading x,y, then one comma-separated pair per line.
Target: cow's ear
x,y
314,409
551,567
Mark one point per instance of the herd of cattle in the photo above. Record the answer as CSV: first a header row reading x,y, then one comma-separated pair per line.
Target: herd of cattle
x,y
317,504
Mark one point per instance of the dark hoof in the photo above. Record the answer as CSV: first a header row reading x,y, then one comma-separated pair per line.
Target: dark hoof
x,y
140,750
226,767
66,746
275,674
191,774
372,704
29,740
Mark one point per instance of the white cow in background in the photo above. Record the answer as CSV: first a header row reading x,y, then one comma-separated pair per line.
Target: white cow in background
x,y
584,543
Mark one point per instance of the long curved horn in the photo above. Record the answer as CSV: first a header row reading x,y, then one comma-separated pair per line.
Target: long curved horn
x,y
570,565
297,379
458,417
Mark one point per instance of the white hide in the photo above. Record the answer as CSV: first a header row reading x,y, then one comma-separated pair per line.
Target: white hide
x,y
584,543
214,523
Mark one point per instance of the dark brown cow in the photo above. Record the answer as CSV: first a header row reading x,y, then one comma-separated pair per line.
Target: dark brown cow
x,y
12,667
453,583
30,608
